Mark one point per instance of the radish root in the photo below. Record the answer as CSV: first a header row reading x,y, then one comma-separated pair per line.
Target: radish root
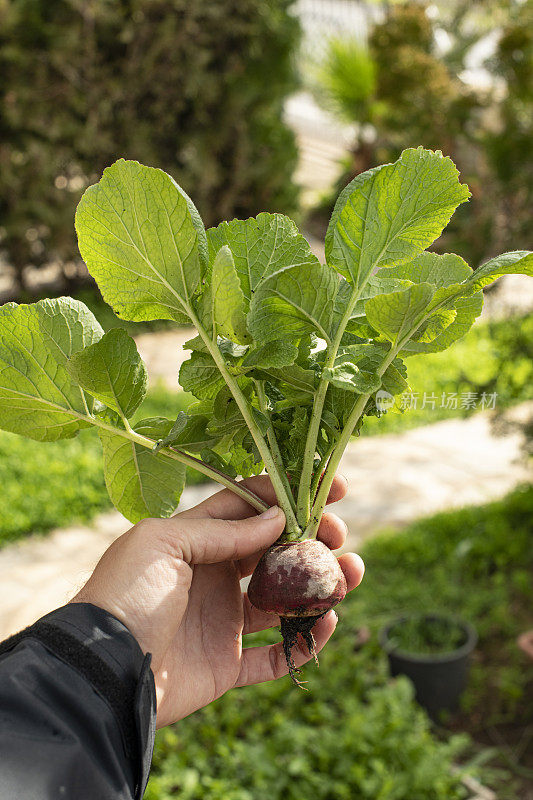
x,y
290,628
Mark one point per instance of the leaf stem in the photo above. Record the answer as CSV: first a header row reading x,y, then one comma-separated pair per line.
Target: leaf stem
x,y
355,414
189,461
272,440
304,489
274,473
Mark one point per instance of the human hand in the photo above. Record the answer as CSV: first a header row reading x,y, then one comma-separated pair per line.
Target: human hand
x,y
174,583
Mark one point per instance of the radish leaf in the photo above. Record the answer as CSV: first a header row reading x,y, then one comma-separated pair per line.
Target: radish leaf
x,y
37,396
261,246
229,313
392,213
112,371
143,242
140,483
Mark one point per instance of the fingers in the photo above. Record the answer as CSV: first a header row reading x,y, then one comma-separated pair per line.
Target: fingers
x,y
332,531
227,505
255,620
210,541
260,664
353,567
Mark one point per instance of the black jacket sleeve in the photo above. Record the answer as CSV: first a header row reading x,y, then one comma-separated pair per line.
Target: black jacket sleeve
x,y
77,709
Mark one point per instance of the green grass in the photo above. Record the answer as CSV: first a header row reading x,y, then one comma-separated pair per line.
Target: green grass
x,y
356,733
46,485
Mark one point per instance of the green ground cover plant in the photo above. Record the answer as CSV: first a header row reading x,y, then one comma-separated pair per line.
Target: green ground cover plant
x,y
361,735
423,635
476,564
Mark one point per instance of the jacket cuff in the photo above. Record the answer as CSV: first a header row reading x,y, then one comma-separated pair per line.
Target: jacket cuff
x,y
107,655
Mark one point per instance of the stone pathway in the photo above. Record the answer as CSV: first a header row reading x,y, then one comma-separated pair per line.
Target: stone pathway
x,y
163,354
393,479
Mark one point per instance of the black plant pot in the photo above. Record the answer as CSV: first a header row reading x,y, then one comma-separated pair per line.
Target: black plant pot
x,y
439,678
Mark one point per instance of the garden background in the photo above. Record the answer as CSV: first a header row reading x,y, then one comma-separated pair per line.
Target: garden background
x,y
273,105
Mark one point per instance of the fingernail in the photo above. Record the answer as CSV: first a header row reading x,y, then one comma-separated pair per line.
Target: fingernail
x,y
270,513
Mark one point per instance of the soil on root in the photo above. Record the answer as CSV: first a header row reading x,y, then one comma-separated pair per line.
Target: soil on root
x,y
290,628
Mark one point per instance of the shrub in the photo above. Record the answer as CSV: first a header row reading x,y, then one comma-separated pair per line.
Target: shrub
x,y
419,97
194,88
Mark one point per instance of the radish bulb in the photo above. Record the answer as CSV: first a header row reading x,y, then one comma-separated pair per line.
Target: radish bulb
x,y
299,581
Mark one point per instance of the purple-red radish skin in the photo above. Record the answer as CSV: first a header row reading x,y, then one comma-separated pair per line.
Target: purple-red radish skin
x,y
297,579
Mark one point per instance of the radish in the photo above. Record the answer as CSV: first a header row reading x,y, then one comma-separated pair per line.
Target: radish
x,y
299,581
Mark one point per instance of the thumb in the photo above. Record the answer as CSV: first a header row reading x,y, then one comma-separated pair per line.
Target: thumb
x,y
209,541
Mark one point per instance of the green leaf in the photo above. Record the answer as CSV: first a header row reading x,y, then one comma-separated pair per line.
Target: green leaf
x,y
439,270
435,325
297,377
112,371
339,403
231,350
38,398
292,439
140,483
455,304
243,462
349,377
261,246
189,432
466,310
376,284
277,353
391,213
369,358
217,461
465,299
200,375
294,302
518,261
396,314
154,427
143,242
229,309
394,378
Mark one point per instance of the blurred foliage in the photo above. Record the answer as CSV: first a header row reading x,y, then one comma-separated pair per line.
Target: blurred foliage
x,y
346,80
46,485
416,96
356,733
511,375
509,146
194,88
